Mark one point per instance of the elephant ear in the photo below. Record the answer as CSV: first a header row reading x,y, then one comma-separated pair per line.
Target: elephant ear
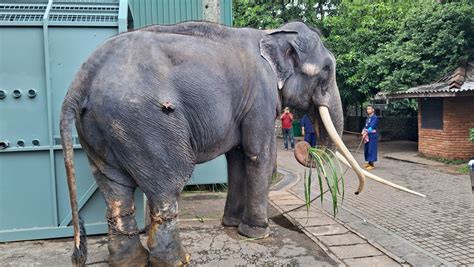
x,y
277,48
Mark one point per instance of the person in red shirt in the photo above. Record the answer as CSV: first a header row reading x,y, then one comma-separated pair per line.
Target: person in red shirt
x,y
287,127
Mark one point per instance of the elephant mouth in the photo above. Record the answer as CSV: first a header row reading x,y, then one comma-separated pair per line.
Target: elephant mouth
x,y
345,156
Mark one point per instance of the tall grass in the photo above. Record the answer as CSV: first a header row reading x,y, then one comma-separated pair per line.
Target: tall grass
x,y
325,166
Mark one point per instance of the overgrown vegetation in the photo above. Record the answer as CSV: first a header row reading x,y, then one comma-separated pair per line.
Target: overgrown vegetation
x,y
445,161
402,108
464,169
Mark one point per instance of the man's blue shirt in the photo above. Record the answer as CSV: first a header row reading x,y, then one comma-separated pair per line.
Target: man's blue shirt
x,y
307,124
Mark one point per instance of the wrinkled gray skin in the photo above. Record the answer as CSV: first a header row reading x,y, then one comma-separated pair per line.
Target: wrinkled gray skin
x,y
223,86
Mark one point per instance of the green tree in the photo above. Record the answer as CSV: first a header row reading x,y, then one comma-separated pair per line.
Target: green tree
x,y
379,45
272,14
256,15
393,46
353,34
432,41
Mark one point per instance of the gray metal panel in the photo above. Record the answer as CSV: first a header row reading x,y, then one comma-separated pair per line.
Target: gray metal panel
x,y
26,199
22,68
226,12
71,46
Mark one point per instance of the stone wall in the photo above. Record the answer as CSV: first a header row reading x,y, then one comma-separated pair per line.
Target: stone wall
x,y
389,128
453,141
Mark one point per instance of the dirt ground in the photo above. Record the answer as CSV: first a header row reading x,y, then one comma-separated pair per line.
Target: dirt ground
x,y
209,243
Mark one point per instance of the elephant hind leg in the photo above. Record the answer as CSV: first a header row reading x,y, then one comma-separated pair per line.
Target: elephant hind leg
x,y
163,237
125,248
164,242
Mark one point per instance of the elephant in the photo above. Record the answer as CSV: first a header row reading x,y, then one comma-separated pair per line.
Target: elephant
x,y
150,104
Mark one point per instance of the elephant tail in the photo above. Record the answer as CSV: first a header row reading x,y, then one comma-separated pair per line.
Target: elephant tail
x,y
68,113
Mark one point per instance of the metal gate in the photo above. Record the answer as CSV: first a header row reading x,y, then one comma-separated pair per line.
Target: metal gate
x,y
42,45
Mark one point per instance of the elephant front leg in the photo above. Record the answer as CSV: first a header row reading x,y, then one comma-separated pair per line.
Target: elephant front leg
x,y
254,220
164,242
234,206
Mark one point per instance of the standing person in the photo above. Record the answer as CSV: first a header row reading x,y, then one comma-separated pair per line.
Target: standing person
x,y
286,125
369,135
308,131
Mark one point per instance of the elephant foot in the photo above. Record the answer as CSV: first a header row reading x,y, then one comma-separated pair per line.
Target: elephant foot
x,y
257,232
231,221
164,242
135,255
170,260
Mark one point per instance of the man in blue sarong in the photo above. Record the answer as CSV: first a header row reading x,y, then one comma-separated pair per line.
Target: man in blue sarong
x,y
369,135
308,131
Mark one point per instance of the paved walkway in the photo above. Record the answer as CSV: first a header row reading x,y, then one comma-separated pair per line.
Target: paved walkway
x,y
339,242
438,229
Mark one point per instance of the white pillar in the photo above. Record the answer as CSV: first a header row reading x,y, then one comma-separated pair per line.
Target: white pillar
x,y
211,10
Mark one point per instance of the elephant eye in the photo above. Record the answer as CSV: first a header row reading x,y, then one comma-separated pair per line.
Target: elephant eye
x,y
326,68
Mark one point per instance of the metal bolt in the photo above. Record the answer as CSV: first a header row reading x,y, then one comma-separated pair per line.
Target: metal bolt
x,y
20,143
17,93
32,93
4,144
36,142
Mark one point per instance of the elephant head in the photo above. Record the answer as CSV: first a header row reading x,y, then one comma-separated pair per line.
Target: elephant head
x,y
306,78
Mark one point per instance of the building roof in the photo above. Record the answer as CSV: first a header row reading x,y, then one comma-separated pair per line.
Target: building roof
x,y
459,83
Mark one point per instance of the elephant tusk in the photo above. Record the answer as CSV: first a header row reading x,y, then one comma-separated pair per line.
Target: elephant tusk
x,y
326,119
378,179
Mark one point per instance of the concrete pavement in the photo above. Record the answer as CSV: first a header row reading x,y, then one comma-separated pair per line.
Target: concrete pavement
x,y
209,243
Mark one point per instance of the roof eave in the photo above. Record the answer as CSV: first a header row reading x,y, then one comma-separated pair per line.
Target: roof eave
x,y
434,94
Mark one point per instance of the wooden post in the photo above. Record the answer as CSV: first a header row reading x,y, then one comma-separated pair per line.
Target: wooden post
x,y
211,10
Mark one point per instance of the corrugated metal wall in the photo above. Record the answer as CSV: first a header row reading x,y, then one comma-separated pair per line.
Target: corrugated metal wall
x,y
147,12
226,12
